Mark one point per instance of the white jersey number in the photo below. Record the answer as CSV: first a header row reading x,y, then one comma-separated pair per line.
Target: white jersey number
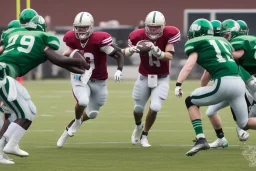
x,y
152,62
26,43
217,44
89,59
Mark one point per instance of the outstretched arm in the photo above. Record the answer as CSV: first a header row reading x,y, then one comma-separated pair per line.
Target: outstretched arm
x,y
74,65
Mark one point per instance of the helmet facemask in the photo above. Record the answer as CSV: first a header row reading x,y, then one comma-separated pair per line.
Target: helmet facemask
x,y
83,32
154,32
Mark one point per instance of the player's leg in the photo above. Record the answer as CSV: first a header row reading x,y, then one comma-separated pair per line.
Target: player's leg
x,y
158,95
203,96
140,94
216,123
99,93
26,111
81,93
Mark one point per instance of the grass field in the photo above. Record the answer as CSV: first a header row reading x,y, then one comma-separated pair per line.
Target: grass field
x,y
104,144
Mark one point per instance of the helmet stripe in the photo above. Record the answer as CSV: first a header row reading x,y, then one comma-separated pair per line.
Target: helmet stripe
x,y
81,17
154,17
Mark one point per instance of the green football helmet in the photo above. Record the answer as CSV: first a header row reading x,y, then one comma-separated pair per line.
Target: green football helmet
x,y
26,15
229,29
14,24
38,23
244,30
200,27
216,24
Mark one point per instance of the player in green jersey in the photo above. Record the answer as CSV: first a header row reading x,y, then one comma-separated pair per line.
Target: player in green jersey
x,y
24,49
211,111
214,54
245,54
216,24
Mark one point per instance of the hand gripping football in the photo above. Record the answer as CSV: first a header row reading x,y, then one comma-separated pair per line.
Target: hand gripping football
x,y
144,46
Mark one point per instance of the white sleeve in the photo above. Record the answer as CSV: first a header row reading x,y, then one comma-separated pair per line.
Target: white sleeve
x,y
108,49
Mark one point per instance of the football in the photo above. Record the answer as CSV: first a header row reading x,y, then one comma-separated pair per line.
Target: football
x,y
143,46
79,55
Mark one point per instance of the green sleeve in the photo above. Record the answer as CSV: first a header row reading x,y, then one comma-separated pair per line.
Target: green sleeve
x,y
244,74
189,48
52,41
238,44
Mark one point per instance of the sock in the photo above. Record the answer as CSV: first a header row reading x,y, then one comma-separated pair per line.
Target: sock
x,y
10,130
145,133
16,136
197,125
138,123
219,133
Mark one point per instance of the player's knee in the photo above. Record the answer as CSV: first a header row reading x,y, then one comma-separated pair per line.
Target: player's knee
x,y
209,112
93,114
188,102
138,109
243,125
156,107
83,101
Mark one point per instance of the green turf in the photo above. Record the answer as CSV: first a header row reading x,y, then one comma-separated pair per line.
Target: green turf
x,y
104,144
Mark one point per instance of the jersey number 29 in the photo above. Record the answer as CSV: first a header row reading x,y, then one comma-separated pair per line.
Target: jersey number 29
x,y
26,43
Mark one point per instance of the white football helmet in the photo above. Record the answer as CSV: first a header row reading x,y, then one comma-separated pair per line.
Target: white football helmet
x,y
83,25
154,25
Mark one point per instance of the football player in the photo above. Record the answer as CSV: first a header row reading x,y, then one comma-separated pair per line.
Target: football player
x,y
95,47
154,70
216,24
245,52
24,49
214,54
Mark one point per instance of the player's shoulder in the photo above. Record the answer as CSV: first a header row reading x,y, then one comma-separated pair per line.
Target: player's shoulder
x,y
171,30
102,38
100,35
172,34
137,33
70,34
199,40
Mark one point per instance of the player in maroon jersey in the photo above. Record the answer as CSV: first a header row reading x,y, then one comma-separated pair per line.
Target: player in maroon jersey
x,y
95,46
154,70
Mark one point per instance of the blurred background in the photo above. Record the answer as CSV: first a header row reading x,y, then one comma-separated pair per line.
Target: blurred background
x,y
119,18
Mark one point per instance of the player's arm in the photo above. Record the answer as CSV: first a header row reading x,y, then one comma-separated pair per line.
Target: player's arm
x,y
1,46
132,48
74,65
114,52
206,77
185,71
238,54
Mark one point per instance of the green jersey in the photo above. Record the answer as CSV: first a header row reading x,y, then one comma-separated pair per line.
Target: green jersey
x,y
24,50
214,55
248,44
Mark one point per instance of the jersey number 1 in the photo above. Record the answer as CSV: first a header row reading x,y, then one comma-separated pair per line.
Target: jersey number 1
x,y
224,45
26,43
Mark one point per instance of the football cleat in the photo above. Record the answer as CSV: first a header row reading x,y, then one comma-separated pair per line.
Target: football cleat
x,y
242,134
4,159
144,141
220,142
63,139
74,127
15,150
136,134
201,144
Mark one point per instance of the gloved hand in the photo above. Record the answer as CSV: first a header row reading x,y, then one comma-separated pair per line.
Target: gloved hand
x,y
157,52
118,76
178,91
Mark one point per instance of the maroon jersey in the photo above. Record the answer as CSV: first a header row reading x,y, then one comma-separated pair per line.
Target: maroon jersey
x,y
150,64
91,51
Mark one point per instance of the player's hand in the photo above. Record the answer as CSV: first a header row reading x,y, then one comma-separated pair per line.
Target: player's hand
x,y
118,76
157,52
85,77
178,91
134,49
